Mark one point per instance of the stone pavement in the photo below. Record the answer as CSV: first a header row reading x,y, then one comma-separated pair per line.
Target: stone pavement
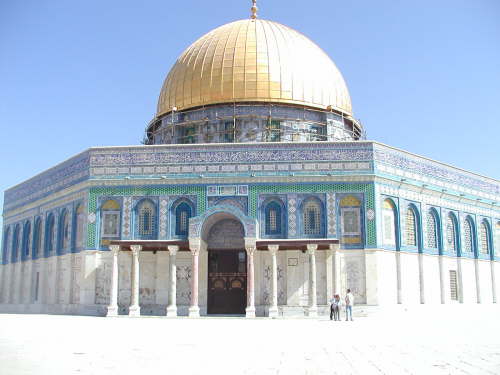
x,y
44,344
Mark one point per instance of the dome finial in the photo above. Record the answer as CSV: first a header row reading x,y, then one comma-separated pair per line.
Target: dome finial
x,y
254,9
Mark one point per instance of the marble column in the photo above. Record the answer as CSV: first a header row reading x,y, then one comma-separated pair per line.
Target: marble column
x,y
336,268
113,303
194,309
250,310
493,281
273,309
135,309
478,281
441,279
398,277
313,305
421,277
460,285
172,294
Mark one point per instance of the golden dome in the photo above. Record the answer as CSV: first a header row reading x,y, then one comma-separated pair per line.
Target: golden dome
x,y
254,60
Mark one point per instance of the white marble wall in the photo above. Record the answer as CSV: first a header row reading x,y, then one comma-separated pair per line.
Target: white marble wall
x,y
83,280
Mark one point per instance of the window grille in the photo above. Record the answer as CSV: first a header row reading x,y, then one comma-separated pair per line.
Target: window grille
x,y
431,231
6,238
229,131
485,243
182,214
411,232
37,239
467,236
146,219
453,285
451,234
65,231
389,227
50,234
27,239
15,242
274,131
497,248
312,218
273,218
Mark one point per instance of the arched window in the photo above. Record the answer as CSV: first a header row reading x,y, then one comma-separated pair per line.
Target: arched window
x,y
79,226
64,231
6,240
485,238
389,223
411,227
50,233
497,247
432,230
451,233
146,219
110,221
16,240
37,237
273,219
468,246
311,216
183,212
26,239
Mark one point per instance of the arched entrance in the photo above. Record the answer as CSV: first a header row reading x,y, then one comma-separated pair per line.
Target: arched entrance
x,y
227,267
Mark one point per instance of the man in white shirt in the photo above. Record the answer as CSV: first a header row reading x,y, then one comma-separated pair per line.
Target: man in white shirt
x,y
349,302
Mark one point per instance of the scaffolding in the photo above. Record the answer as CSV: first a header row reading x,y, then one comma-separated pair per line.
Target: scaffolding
x,y
272,122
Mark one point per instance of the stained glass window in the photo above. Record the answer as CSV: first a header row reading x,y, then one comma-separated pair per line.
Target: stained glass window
x,y
485,243
432,242
312,218
451,234
468,245
411,230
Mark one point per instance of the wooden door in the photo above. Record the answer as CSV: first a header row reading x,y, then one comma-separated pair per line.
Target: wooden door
x,y
227,282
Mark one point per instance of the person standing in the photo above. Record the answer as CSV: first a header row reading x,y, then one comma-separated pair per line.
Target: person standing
x,y
335,307
349,303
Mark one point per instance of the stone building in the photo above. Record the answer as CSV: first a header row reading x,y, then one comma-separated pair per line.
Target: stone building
x,y
255,193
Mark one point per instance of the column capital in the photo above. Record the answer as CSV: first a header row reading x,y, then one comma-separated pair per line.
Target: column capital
x,y
250,246
311,248
273,249
115,249
135,249
196,246
173,249
334,246
250,249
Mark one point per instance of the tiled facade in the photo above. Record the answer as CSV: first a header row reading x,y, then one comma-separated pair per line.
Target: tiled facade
x,y
349,180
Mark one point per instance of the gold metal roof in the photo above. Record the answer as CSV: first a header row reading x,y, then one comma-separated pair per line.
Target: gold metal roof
x,y
254,60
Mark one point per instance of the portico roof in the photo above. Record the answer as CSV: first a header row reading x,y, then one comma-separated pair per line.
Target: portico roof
x,y
261,244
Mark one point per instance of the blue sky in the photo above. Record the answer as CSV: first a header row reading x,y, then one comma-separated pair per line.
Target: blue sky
x,y
423,75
